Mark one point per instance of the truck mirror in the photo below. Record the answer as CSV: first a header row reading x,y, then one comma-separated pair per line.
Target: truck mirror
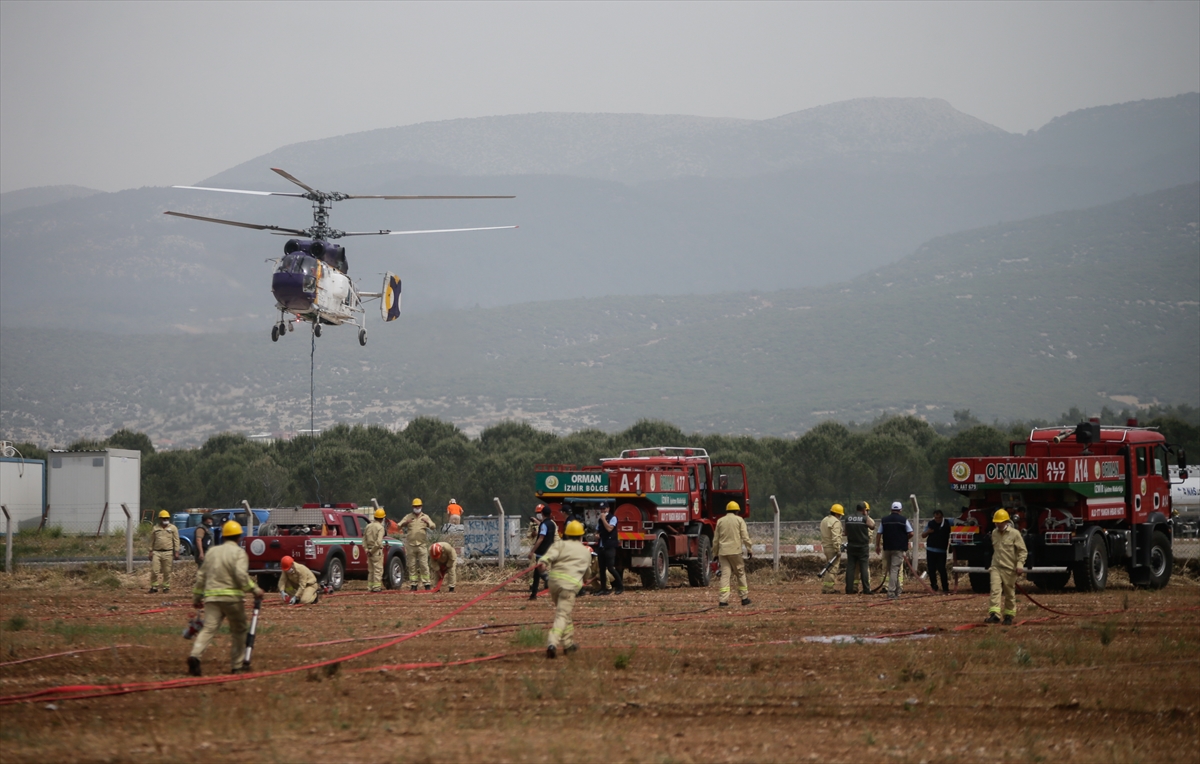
x,y
1182,460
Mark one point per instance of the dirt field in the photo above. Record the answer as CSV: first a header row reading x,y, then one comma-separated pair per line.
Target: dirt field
x,y
663,677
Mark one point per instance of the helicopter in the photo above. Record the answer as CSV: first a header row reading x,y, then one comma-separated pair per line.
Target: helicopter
x,y
310,280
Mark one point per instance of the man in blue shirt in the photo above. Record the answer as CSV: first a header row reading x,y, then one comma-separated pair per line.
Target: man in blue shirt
x,y
894,533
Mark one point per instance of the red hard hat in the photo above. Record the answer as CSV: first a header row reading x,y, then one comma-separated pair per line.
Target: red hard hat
x,y
436,551
286,563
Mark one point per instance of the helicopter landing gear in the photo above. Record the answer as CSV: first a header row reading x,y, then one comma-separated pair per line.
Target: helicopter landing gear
x,y
275,333
317,328
362,337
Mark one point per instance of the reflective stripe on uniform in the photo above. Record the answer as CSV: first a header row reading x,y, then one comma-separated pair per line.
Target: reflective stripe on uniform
x,y
564,577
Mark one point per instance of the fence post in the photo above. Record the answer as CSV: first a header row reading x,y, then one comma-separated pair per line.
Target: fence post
x,y
7,540
776,546
249,518
103,515
128,539
916,533
500,507
45,517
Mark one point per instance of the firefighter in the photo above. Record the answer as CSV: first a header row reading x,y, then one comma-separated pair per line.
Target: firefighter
x,y
544,534
444,556
164,550
858,547
373,544
298,585
221,584
832,536
414,527
1008,558
567,562
729,536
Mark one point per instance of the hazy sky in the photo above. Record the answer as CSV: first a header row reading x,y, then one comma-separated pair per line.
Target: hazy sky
x,y
117,95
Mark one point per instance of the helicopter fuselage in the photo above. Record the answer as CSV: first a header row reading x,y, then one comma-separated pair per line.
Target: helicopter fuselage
x,y
312,288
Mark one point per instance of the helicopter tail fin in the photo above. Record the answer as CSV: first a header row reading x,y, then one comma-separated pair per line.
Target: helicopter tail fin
x,y
389,306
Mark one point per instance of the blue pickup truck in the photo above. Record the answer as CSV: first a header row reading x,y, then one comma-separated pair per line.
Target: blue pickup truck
x,y
187,533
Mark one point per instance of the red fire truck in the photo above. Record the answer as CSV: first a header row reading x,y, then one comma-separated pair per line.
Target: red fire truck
x,y
667,501
1085,498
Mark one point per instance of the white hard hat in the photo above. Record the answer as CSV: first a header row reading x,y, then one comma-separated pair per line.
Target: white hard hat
x,y
897,505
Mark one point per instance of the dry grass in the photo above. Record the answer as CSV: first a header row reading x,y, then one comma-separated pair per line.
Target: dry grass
x,y
657,680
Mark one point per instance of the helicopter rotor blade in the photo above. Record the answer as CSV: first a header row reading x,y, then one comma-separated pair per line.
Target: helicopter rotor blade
x,y
255,226
371,196
241,191
292,178
440,230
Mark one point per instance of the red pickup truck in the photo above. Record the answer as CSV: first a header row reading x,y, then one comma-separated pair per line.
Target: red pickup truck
x,y
327,538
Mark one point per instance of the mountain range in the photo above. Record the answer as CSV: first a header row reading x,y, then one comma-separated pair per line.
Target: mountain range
x,y
608,205
1014,320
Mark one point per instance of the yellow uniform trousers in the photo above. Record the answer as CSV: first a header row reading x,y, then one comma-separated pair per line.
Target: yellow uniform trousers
x,y
375,571
562,634
732,565
418,557
161,564
829,583
1003,598
214,613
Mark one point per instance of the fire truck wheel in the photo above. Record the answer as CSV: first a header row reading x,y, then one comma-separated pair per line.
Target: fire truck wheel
x,y
1091,573
1160,560
268,581
1051,582
655,577
335,573
699,572
393,571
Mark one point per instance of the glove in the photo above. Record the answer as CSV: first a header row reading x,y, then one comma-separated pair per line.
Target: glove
x,y
283,596
292,601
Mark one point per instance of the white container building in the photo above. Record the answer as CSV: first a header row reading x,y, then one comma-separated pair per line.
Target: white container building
x,y
23,491
85,489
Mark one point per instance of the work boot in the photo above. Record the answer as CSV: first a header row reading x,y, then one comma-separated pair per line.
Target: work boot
x,y
154,590
427,587
570,649
551,652
619,591
414,588
1008,620
452,590
533,596
603,593
992,618
745,601
193,666
166,589
724,604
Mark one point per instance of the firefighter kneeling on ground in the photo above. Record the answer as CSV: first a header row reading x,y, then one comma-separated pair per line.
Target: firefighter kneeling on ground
x,y
298,585
445,558
1008,557
221,584
567,563
729,536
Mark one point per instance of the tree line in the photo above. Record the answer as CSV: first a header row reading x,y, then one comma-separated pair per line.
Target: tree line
x,y
880,462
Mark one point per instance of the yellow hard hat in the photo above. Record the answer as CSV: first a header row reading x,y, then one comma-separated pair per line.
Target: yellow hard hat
x,y
380,514
837,509
867,505
574,528
435,551
417,503
1001,516
231,528
732,507
164,513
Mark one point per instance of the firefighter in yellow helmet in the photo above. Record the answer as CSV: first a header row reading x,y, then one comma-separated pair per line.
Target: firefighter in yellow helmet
x,y
414,527
221,584
446,560
729,536
373,544
567,563
1008,558
832,538
297,584
164,551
